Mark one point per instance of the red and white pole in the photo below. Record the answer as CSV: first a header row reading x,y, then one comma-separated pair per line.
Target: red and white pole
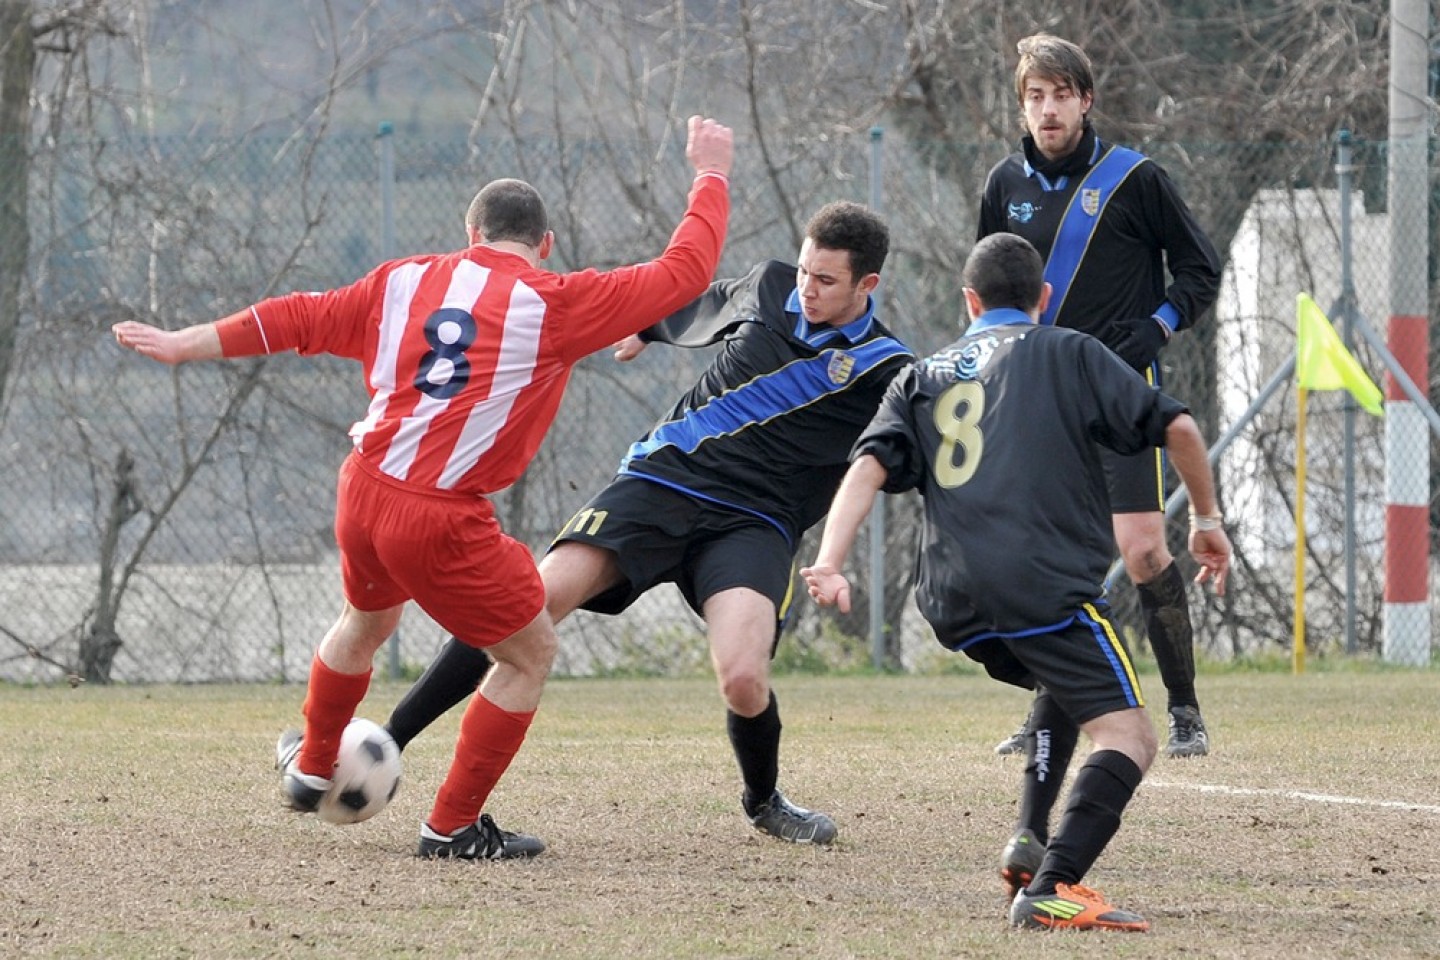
x,y
1407,439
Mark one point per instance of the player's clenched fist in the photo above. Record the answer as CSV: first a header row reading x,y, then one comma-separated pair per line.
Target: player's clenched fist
x,y
711,146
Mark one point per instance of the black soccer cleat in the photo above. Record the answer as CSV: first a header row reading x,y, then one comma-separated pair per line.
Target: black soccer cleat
x,y
1188,737
301,792
1020,861
1014,745
782,819
481,840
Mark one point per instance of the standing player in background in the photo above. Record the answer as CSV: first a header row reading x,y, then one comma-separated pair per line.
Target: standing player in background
x,y
465,357
1109,224
998,432
717,495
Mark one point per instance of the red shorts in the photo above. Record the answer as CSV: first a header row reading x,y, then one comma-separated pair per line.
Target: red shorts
x,y
445,551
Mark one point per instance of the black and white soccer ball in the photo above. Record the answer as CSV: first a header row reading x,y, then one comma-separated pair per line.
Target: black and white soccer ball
x,y
366,776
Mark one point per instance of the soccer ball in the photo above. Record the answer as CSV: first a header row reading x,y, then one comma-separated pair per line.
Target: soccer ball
x,y
366,776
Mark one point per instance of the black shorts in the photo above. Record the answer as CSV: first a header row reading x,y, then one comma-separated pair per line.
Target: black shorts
x,y
1137,482
1085,665
660,535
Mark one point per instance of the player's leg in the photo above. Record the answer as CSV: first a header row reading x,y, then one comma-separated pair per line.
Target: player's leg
x,y
1051,740
1137,498
741,626
1088,671
339,679
572,571
572,574
492,730
1166,611
741,575
1050,745
482,586
454,674
340,669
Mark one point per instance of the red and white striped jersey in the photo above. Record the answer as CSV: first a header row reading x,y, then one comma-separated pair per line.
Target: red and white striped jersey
x,y
467,354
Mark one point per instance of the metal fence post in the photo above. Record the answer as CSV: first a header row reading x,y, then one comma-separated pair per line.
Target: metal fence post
x,y
386,135
877,514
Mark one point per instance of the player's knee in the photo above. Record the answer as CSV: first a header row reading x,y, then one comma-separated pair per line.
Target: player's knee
x,y
745,689
532,651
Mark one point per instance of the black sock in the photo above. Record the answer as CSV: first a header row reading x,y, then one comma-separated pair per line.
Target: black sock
x,y
1172,638
756,741
1102,789
1049,745
451,677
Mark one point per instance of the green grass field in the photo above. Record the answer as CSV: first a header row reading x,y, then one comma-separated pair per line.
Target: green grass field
x,y
145,822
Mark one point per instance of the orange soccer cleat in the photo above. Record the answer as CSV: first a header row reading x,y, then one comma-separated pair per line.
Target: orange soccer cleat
x,y
1072,907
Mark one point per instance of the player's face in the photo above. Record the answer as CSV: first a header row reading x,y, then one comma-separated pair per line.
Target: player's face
x,y
829,294
1054,115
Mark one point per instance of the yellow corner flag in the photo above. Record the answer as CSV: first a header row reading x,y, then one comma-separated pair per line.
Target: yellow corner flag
x,y
1323,363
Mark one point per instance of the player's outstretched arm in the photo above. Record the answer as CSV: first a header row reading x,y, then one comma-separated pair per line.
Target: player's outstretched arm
x,y
169,346
1208,543
852,503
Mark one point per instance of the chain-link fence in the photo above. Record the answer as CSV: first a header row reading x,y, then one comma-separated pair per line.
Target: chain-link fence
x,y
175,525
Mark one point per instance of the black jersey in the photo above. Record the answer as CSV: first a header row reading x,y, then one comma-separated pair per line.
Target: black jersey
x,y
1143,228
768,427
998,432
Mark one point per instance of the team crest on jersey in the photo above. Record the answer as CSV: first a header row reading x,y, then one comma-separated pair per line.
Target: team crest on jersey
x,y
840,367
1022,212
1090,201
964,362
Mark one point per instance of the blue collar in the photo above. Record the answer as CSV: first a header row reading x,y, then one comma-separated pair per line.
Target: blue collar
x,y
999,317
1059,182
854,331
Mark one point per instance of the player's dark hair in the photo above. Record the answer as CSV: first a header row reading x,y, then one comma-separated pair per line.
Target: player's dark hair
x,y
1061,62
508,210
1004,270
854,228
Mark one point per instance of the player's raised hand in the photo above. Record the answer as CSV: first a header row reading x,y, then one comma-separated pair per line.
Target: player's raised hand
x,y
710,147
827,585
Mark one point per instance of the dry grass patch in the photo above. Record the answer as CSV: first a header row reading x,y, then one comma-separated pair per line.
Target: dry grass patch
x,y
144,822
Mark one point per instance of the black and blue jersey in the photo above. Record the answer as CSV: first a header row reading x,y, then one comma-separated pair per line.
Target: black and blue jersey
x,y
1000,433
767,429
1117,223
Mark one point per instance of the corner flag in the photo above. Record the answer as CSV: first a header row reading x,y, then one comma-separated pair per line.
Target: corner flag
x,y
1323,363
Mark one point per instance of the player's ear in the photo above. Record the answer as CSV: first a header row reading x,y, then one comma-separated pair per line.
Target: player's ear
x,y
547,243
1044,302
869,282
973,306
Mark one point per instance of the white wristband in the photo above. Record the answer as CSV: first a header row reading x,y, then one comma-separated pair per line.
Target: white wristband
x,y
1203,522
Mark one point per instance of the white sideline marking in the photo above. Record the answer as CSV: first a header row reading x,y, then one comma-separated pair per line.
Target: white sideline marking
x,y
1294,795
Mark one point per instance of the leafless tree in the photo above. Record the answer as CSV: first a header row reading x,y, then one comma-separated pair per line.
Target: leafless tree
x,y
158,164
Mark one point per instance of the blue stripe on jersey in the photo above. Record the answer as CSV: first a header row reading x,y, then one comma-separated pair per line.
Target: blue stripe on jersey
x,y
794,386
1078,223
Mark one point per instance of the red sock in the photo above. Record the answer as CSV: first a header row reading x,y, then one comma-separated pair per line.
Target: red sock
x,y
330,702
489,739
